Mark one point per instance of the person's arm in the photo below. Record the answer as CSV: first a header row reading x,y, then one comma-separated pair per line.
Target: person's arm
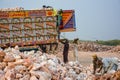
x,y
101,66
62,41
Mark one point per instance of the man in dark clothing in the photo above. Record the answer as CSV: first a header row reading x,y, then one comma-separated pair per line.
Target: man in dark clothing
x,y
97,63
65,51
59,19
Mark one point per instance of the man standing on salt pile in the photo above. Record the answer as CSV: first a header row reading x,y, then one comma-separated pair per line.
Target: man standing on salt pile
x,y
65,51
75,43
105,64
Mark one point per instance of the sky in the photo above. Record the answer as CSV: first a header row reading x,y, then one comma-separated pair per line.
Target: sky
x,y
95,19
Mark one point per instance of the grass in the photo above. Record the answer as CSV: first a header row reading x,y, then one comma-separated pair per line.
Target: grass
x,y
108,42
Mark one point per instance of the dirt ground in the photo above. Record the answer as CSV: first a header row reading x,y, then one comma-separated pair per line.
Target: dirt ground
x,y
85,58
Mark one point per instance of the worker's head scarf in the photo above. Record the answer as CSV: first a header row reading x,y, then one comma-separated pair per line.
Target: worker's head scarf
x,y
94,56
76,41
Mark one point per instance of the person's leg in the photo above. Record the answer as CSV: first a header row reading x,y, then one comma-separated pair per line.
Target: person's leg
x,y
94,68
65,57
64,60
76,54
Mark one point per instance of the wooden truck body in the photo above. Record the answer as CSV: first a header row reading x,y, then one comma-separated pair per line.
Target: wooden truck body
x,y
32,27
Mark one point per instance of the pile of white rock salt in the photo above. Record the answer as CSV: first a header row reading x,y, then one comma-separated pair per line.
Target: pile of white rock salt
x,y
115,49
15,65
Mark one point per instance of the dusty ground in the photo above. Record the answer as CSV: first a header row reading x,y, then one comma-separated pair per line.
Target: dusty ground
x,y
85,58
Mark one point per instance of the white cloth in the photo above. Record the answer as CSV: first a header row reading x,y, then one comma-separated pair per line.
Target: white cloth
x,y
76,52
110,63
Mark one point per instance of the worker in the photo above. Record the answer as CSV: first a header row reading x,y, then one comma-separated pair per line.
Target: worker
x,y
97,63
75,43
59,19
66,49
105,64
47,7
44,7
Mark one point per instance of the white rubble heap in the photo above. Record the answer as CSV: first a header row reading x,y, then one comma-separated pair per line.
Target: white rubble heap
x,y
115,49
15,65
94,47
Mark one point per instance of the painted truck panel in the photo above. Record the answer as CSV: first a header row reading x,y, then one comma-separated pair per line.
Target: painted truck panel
x,y
68,21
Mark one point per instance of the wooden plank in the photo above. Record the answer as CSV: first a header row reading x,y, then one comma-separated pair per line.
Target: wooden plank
x,y
40,25
4,27
28,26
17,26
68,30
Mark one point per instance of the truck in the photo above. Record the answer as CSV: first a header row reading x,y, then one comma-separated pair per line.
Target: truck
x,y
28,28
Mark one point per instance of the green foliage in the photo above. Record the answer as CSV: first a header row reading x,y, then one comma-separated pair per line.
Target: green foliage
x,y
109,42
